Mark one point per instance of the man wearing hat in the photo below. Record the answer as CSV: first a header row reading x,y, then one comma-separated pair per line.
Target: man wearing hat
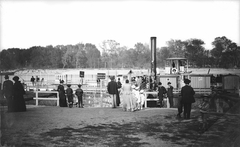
x,y
170,94
187,94
69,93
112,89
79,93
161,93
8,92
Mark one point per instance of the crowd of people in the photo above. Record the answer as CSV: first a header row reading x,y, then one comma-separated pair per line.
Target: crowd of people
x,y
66,97
132,93
133,97
14,94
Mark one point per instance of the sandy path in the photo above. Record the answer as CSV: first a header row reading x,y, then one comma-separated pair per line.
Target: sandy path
x,y
26,127
56,126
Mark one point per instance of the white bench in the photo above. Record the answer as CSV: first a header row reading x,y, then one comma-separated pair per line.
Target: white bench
x,y
154,99
44,98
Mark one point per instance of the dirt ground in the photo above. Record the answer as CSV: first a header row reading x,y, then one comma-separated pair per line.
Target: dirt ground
x,y
103,127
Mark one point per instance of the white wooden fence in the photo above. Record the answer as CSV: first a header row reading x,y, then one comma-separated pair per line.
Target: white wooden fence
x,y
44,98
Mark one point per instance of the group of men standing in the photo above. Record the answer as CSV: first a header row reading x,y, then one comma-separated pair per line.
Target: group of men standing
x,y
185,100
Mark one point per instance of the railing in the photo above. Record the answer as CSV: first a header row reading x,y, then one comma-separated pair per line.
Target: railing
x,y
146,99
154,99
44,98
197,90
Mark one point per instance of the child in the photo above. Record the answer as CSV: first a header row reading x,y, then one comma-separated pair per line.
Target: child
x,y
142,99
79,93
137,97
69,93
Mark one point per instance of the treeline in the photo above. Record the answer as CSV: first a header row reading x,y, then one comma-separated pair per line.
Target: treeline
x,y
224,54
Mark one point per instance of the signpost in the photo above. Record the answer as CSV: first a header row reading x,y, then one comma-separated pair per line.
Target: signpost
x,y
81,74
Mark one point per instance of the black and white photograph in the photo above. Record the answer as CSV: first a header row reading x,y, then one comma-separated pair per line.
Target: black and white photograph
x,y
120,73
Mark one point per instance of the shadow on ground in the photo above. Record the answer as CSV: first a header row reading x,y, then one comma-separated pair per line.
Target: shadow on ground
x,y
156,130
177,131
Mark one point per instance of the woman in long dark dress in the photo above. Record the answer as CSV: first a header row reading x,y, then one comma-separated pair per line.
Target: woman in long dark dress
x,y
62,96
18,99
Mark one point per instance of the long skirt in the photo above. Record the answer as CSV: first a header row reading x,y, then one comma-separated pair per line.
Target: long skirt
x,y
19,104
134,102
63,101
127,102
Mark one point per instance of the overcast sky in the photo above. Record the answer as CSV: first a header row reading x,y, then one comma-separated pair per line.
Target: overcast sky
x,y
26,23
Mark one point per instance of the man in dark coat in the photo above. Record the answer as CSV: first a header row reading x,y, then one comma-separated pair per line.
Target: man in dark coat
x,y
119,91
112,88
8,92
170,94
187,94
79,93
69,93
161,92
33,80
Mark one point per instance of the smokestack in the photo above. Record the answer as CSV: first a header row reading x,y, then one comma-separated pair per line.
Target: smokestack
x,y
153,57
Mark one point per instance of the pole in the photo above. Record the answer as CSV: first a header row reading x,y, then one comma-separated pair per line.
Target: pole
x,y
153,58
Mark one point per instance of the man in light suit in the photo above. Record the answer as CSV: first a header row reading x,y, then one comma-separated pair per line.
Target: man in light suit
x,y
112,88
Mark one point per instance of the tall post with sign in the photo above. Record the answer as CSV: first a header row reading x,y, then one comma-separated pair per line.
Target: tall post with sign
x,y
81,76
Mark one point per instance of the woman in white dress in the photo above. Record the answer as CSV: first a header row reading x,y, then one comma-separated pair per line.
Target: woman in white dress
x,y
127,96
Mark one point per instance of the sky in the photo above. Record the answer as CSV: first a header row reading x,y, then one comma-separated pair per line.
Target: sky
x,y
25,23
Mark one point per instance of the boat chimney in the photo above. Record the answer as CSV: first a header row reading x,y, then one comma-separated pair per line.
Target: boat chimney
x,y
153,57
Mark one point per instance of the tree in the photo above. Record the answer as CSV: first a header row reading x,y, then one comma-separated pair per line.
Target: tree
x,y
39,57
54,57
176,47
110,52
195,52
5,58
92,54
162,54
81,59
141,55
223,52
68,59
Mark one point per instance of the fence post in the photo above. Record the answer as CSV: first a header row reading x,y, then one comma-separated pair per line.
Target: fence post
x,y
101,98
94,93
145,100
58,99
36,98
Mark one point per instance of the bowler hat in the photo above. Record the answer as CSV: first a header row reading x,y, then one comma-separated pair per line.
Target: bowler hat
x,y
187,81
15,78
169,83
6,77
